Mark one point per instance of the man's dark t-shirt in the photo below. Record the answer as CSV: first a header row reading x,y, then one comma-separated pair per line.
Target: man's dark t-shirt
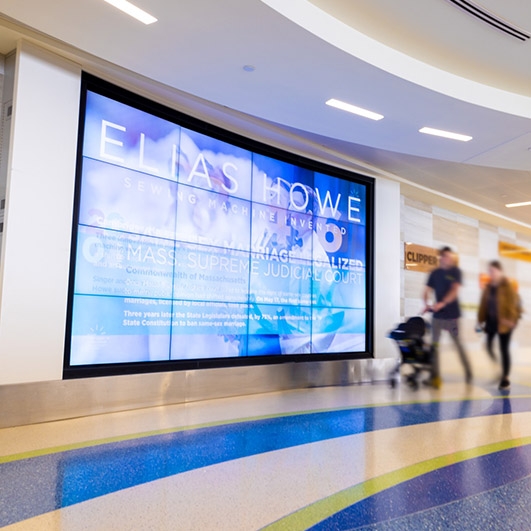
x,y
441,281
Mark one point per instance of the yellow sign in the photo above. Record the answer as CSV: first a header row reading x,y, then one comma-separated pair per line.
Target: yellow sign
x,y
420,258
517,252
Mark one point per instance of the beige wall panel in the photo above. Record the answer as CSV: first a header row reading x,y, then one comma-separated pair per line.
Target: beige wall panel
x,y
445,230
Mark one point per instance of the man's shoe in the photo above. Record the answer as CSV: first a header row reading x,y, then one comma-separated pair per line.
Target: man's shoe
x,y
505,385
468,379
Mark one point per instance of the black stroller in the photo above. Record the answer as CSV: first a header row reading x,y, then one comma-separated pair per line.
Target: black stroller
x,y
414,351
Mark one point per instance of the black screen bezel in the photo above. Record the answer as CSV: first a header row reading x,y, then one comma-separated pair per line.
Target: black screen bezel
x,y
104,88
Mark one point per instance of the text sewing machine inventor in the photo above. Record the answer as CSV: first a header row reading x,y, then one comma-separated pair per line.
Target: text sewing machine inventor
x,y
443,285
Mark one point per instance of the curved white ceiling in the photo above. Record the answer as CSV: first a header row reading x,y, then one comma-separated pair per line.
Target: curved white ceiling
x,y
317,16
440,33
200,47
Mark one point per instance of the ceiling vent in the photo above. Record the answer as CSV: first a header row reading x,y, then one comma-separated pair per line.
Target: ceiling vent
x,y
492,19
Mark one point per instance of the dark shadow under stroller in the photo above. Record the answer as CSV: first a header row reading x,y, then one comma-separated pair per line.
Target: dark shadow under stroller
x,y
414,351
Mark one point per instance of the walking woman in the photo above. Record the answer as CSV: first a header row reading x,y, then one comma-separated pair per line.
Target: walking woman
x,y
499,311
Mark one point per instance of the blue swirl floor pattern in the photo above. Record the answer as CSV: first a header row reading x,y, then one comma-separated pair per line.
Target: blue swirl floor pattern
x,y
453,497
504,508
33,486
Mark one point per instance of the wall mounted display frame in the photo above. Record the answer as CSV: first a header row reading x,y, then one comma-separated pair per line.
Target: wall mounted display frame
x,y
194,247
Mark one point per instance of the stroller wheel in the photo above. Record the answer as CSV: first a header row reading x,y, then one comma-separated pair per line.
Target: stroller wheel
x,y
412,382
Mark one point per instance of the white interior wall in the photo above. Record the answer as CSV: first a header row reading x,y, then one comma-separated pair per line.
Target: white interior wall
x,y
38,218
387,251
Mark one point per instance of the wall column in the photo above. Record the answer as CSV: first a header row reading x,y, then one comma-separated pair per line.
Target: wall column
x,y
35,258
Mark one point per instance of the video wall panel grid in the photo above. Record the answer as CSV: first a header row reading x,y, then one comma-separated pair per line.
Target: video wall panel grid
x,y
194,247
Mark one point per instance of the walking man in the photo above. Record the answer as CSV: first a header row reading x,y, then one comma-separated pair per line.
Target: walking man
x,y
443,286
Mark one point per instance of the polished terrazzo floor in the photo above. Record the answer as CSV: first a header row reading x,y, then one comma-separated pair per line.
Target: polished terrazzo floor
x,y
356,457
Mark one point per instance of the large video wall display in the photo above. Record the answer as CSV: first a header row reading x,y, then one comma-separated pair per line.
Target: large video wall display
x,y
192,247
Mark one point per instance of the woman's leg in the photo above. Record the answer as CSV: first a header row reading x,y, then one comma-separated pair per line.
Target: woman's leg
x,y
505,339
490,344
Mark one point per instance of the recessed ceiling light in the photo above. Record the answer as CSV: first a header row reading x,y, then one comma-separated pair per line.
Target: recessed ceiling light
x,y
513,205
353,109
132,10
445,134
249,68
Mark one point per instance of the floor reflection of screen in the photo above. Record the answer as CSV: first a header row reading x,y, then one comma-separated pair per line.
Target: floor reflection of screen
x,y
189,247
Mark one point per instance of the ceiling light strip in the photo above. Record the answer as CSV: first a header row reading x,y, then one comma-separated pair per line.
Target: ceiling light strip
x,y
514,205
491,19
338,104
445,134
133,11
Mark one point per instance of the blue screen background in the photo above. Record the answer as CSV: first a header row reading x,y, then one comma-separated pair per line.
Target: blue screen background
x,y
189,247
